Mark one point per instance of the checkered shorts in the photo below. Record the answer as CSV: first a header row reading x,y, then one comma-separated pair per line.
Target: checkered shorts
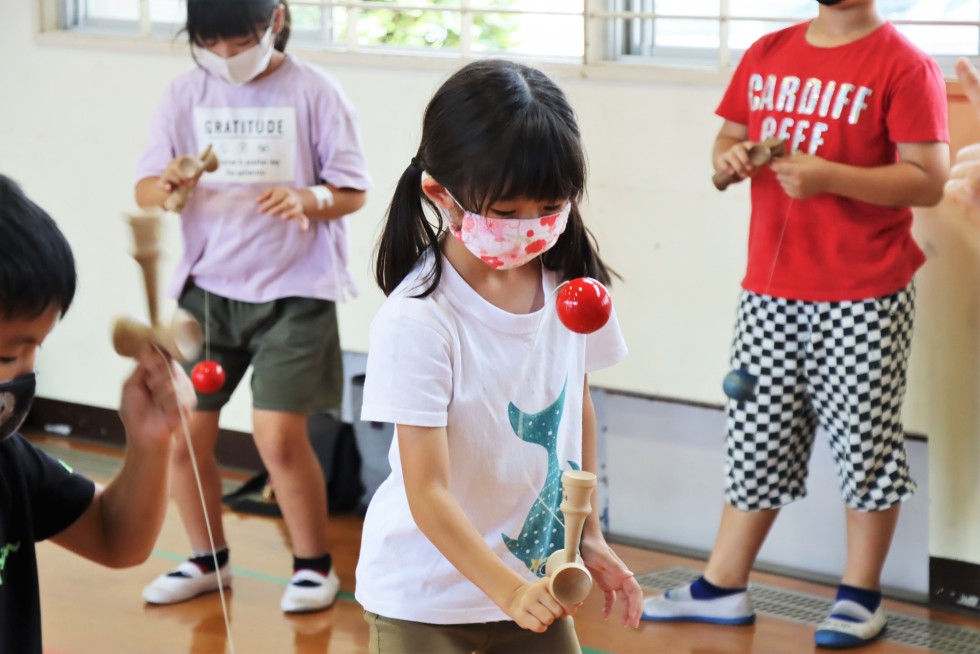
x,y
836,365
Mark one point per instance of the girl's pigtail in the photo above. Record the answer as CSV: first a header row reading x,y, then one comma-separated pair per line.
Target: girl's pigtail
x,y
406,235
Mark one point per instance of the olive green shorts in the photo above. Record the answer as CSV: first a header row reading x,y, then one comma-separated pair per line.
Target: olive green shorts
x,y
292,344
390,636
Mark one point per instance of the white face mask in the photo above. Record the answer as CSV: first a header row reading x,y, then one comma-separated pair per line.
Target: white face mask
x,y
242,67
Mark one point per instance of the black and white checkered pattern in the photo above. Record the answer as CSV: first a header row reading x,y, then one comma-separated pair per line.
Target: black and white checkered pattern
x,y
836,365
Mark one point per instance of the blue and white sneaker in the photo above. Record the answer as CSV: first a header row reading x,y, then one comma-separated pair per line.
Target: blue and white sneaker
x,y
850,625
677,605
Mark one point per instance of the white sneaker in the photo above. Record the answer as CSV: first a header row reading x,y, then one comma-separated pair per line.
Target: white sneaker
x,y
849,625
310,591
677,605
184,582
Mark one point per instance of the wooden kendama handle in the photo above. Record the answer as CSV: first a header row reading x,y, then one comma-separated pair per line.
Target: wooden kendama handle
x,y
576,506
760,154
146,239
191,167
181,338
570,579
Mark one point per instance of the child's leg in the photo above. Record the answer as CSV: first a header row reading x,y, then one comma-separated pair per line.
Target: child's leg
x,y
198,575
858,388
869,537
204,436
297,370
768,448
740,537
284,444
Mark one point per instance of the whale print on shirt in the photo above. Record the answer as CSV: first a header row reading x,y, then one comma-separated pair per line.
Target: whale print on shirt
x,y
541,534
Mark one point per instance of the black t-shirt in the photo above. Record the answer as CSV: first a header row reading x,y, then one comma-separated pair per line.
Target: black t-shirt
x,y
39,498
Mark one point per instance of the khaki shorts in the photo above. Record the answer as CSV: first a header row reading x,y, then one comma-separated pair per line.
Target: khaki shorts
x,y
390,636
292,344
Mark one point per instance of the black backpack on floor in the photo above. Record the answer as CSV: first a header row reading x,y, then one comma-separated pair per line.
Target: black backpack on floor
x,y
336,450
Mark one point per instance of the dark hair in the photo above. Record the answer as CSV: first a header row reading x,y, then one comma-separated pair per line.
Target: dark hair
x,y
495,130
225,19
37,268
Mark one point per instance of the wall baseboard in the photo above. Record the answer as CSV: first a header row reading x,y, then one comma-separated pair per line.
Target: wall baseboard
x,y
955,584
235,449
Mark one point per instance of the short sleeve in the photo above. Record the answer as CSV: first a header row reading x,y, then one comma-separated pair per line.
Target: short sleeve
x,y
339,146
409,376
734,105
160,145
605,347
917,111
58,496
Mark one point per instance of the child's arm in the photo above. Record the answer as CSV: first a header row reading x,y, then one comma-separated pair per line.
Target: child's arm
x,y
121,525
303,205
915,181
152,191
608,570
425,465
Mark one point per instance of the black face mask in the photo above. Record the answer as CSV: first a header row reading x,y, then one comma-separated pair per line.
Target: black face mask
x,y
830,3
16,397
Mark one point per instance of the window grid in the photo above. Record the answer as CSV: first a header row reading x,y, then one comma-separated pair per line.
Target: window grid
x,y
618,23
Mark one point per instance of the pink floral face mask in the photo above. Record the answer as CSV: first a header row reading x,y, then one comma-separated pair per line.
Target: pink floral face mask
x,y
505,243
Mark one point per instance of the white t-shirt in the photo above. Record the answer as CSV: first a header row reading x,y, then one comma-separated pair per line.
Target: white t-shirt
x,y
453,359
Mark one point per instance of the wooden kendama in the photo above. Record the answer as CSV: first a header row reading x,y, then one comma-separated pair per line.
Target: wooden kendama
x,y
570,580
191,167
760,154
181,336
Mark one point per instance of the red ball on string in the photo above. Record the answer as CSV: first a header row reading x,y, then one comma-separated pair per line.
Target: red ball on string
x,y
208,377
584,305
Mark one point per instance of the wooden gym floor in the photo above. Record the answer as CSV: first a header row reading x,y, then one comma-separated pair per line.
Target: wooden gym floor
x,y
91,610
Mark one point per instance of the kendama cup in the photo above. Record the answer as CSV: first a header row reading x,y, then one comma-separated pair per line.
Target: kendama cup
x,y
571,581
191,167
760,154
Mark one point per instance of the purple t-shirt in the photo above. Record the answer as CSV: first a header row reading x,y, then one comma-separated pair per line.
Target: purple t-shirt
x,y
292,128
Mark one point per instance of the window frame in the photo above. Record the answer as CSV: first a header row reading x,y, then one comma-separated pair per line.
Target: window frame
x,y
705,65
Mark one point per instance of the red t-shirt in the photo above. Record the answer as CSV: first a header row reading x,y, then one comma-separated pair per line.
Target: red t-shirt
x,y
850,104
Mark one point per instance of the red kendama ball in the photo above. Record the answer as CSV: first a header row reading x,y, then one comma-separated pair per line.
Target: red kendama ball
x,y
208,377
584,305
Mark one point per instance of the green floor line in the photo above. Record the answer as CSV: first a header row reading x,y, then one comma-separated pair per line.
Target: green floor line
x,y
282,581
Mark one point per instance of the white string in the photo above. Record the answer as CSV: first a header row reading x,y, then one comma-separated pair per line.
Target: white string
x,y
200,490
548,304
207,325
779,245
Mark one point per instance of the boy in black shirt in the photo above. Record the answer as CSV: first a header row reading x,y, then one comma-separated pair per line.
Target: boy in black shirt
x,y
41,498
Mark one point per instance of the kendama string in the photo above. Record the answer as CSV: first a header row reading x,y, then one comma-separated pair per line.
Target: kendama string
x,y
184,423
549,303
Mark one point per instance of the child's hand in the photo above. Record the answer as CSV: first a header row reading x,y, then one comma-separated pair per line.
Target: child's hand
x,y
612,576
152,402
735,160
171,177
964,179
802,176
285,203
533,607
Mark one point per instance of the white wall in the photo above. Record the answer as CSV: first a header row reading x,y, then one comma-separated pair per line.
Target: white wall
x,y
73,121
